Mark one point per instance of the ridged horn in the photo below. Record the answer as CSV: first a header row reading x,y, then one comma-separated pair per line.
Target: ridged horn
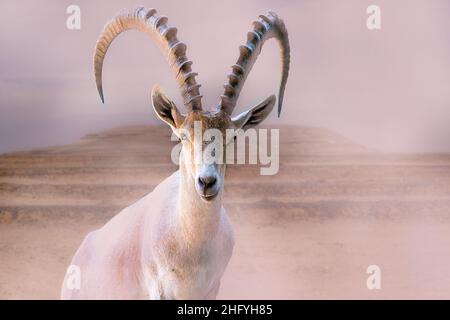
x,y
148,21
266,27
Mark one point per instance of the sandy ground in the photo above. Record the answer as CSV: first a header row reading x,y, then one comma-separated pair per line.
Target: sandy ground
x,y
309,232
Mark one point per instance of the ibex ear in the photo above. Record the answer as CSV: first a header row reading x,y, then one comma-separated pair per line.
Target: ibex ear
x,y
165,108
255,115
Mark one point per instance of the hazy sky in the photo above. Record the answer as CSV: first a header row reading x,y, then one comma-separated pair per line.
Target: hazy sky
x,y
387,89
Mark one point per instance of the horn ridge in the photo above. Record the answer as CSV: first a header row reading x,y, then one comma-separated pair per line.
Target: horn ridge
x,y
148,21
266,27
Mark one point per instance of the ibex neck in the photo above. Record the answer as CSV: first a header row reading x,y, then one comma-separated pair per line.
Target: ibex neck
x,y
198,219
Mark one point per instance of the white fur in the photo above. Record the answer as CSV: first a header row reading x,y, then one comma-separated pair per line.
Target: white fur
x,y
171,244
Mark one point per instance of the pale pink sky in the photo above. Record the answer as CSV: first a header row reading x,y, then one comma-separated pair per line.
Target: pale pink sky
x,y
386,89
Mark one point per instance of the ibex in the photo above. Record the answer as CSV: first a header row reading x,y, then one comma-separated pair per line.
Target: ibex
x,y
175,242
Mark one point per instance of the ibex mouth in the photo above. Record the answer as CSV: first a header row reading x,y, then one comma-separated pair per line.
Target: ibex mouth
x,y
209,197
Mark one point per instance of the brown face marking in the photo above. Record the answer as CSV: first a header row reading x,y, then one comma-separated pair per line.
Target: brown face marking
x,y
210,120
219,120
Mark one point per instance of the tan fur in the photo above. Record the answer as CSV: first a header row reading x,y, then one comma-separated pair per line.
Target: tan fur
x,y
171,244
163,246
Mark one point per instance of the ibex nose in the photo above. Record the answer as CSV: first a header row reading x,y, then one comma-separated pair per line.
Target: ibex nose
x,y
208,186
207,182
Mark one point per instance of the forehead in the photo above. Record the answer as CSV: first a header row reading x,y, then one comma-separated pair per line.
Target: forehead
x,y
209,119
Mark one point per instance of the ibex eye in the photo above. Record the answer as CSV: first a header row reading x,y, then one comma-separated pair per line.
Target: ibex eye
x,y
183,137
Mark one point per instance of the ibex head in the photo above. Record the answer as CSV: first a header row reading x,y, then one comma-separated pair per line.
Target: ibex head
x,y
208,177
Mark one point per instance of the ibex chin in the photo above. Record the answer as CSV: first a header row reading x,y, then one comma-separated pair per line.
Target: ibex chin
x,y
175,242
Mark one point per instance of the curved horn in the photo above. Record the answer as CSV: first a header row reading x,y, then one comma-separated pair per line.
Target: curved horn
x,y
266,27
148,21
